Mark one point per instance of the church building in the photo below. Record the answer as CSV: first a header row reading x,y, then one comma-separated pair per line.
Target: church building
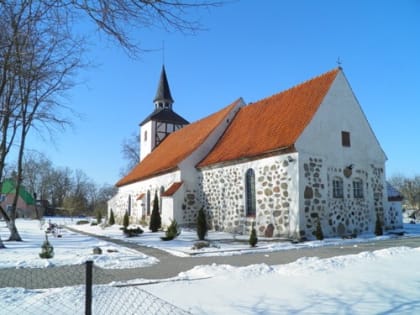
x,y
296,159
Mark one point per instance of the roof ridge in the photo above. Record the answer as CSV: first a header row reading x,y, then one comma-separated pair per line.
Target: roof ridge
x,y
260,128
183,142
298,85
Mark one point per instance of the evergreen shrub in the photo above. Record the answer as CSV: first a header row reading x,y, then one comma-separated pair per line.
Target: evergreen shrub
x,y
318,232
201,225
253,239
111,218
172,231
132,231
155,219
98,217
126,220
47,250
378,226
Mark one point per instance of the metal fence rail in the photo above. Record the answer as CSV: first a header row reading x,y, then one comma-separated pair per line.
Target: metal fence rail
x,y
81,296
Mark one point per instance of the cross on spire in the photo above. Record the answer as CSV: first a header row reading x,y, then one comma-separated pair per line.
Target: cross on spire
x,y
339,62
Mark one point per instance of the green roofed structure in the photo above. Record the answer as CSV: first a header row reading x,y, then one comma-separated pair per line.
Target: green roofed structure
x,y
26,202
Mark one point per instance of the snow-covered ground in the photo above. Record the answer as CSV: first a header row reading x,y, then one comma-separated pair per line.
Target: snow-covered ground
x,y
69,249
222,243
379,282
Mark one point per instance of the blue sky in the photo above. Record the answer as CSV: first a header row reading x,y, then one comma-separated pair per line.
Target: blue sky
x,y
251,49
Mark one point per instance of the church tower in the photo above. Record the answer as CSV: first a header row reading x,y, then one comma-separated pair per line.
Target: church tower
x,y
162,121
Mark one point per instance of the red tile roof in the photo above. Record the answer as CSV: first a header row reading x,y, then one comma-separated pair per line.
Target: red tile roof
x,y
271,124
172,189
176,147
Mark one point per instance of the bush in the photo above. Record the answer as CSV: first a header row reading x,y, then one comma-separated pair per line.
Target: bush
x,y
132,231
253,239
378,226
200,245
143,221
126,220
155,220
171,232
81,222
318,232
47,250
111,218
201,225
98,217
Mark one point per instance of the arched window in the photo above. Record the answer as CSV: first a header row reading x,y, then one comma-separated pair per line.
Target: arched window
x,y
129,205
357,188
338,191
250,206
148,203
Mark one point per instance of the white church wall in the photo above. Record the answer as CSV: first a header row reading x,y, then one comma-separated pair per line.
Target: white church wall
x,y
172,208
120,204
188,204
323,158
147,139
187,166
223,196
167,213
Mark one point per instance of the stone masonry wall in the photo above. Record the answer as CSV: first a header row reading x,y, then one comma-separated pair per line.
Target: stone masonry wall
x,y
223,197
190,207
348,215
340,216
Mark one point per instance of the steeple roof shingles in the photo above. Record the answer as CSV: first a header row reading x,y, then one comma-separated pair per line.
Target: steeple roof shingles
x,y
163,92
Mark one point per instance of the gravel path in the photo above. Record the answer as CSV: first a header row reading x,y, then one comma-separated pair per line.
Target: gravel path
x,y
170,266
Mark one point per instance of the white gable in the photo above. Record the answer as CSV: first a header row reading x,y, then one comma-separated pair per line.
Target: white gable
x,y
340,111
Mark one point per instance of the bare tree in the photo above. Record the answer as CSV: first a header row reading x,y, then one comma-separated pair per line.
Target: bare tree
x,y
130,149
105,193
118,17
80,196
43,58
409,188
39,53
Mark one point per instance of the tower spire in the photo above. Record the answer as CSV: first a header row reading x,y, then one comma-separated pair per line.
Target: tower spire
x,y
163,98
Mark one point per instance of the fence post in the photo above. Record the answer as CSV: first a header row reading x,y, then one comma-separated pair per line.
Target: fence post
x,y
88,296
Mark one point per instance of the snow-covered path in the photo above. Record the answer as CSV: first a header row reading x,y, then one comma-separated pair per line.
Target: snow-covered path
x,y
369,281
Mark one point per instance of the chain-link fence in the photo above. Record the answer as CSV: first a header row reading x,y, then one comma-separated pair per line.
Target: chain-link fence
x,y
71,291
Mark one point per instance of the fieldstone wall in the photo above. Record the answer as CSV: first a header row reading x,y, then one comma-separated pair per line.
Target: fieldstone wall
x,y
223,197
340,216
377,182
190,207
393,219
314,195
348,215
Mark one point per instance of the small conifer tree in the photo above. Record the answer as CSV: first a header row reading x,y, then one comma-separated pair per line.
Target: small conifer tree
x,y
47,250
318,232
253,239
111,218
171,232
201,225
126,220
155,219
98,216
378,226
